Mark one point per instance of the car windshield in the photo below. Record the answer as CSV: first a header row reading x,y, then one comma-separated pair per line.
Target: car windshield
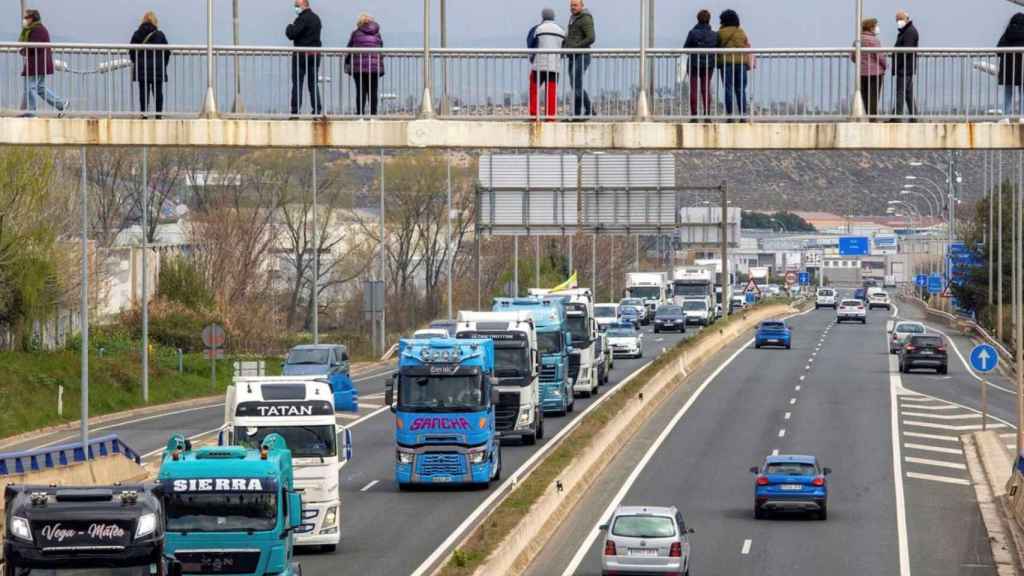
x,y
695,305
791,469
441,393
511,362
926,341
772,325
910,328
604,311
632,302
549,342
221,512
307,356
644,527
303,441
621,333
145,570
826,293
852,303
668,312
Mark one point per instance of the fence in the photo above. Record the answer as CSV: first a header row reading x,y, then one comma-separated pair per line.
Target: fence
x,y
64,454
776,84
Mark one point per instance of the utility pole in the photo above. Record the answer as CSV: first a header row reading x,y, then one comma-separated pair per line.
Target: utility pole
x,y
515,266
642,109
145,275
1019,334
857,106
636,255
238,106
726,298
448,242
210,103
991,237
536,261
383,273
84,311
316,256
999,254
593,263
444,67
427,105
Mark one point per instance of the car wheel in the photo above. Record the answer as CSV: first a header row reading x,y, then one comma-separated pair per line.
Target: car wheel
x,y
863,320
787,346
329,548
656,331
943,370
758,513
823,513
756,345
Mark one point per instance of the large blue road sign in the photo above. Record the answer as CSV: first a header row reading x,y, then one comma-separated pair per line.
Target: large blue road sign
x,y
935,284
984,358
805,278
854,246
921,280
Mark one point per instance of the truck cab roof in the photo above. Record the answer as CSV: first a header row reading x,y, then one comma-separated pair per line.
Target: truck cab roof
x,y
180,461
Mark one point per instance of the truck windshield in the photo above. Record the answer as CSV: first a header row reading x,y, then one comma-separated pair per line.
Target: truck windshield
x,y
441,394
549,342
578,328
303,441
511,362
690,289
121,571
695,305
645,292
222,512
307,356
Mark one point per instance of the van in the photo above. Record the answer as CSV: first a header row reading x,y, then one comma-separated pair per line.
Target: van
x,y
826,298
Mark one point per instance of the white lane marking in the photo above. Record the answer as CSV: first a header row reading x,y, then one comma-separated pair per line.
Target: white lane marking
x,y
967,365
942,416
964,428
802,376
934,436
810,361
796,388
775,452
786,417
895,384
346,416
369,405
792,401
807,367
907,405
746,547
584,548
936,463
927,448
782,433
934,478
368,486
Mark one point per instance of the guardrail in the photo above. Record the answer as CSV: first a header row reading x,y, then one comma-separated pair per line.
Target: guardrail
x,y
64,455
770,84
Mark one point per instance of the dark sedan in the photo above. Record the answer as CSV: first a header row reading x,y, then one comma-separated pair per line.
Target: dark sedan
x,y
924,351
669,317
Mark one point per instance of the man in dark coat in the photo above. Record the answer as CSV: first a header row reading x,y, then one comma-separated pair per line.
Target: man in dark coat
x,y
1011,65
38,65
304,32
579,35
905,64
701,66
149,67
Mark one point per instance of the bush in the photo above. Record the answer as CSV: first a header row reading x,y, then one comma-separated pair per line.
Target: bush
x,y
172,324
182,282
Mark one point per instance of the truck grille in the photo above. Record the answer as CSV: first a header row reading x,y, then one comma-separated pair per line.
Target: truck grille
x,y
548,373
213,562
440,464
574,366
506,411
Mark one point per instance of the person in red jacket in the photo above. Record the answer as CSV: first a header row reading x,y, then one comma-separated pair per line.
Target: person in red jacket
x,y
38,65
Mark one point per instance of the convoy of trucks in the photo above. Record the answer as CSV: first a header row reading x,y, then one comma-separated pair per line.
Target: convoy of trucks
x,y
652,287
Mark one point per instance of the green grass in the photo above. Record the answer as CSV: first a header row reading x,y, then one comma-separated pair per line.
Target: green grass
x,y
483,541
29,383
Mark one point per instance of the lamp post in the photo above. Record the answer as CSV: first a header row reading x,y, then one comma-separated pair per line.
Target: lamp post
x,y
858,104
210,102
934,209
238,106
427,105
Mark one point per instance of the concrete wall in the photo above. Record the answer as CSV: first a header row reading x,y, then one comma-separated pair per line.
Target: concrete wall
x,y
514,135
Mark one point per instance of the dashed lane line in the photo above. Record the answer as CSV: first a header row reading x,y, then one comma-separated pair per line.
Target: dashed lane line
x,y
782,433
936,463
965,428
746,547
942,416
932,436
937,478
928,448
368,486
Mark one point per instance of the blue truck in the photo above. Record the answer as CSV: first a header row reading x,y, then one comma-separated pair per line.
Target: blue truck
x,y
554,341
229,509
444,396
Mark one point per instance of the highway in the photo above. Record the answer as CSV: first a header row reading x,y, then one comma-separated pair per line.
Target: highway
x,y
899,501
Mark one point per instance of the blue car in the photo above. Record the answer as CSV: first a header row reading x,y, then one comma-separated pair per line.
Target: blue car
x,y
326,361
773,333
631,315
790,483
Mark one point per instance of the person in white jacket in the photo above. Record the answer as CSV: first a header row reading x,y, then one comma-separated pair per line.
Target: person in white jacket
x,y
545,66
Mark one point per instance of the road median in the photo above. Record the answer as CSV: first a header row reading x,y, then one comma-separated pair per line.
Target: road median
x,y
1000,496
508,538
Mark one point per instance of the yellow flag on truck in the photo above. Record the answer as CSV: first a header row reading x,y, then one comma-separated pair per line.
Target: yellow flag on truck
x,y
569,284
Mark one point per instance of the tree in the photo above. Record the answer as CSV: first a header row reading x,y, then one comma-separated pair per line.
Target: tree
x,y
786,221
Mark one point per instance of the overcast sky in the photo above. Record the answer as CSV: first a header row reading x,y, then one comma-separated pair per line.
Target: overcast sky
x,y
504,23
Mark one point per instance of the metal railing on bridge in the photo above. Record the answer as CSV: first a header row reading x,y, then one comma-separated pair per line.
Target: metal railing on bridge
x,y
16,463
772,84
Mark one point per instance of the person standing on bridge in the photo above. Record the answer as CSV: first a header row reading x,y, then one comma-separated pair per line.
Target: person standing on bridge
x,y
149,67
872,67
366,68
904,64
579,36
701,65
1011,65
735,66
38,65
544,67
304,32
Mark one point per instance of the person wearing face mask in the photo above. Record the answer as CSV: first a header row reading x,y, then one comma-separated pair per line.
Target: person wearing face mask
x,y
1011,64
872,67
38,65
304,32
904,65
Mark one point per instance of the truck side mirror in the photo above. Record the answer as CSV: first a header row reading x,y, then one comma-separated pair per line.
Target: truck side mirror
x,y
174,568
495,395
389,393
294,510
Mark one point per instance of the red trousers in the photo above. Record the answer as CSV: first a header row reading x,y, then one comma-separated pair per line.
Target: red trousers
x,y
550,80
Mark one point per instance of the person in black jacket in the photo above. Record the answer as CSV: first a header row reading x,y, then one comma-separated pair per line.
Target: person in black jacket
x,y
701,66
904,65
149,67
305,33
1011,65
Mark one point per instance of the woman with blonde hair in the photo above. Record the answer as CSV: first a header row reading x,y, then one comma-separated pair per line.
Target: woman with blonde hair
x,y
365,68
149,66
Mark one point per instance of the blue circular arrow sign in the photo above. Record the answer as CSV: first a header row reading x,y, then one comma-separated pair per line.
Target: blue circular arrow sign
x,y
984,358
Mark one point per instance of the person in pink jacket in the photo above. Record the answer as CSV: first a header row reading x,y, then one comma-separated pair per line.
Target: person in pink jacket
x,y
872,67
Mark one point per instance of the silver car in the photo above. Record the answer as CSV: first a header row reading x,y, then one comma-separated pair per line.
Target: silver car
x,y
646,539
901,332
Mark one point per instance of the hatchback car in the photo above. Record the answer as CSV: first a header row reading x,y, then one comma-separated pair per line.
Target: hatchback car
x,y
327,360
606,314
901,332
697,312
638,304
629,315
625,340
879,300
790,483
773,333
924,351
825,298
851,310
669,317
646,540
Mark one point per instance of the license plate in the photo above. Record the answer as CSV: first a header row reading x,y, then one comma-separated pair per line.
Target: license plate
x,y
791,487
643,552
926,352
441,479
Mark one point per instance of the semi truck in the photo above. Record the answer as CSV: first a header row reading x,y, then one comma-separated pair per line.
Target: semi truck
x,y
516,368
96,530
651,286
554,343
693,283
230,509
579,312
301,411
444,397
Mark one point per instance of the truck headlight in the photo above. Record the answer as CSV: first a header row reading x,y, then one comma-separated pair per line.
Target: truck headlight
x,y
477,456
20,528
147,525
405,457
331,517
556,393
525,412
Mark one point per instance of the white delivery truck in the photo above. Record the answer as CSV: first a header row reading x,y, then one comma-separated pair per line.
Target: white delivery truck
x,y
651,286
695,283
301,410
579,312
516,366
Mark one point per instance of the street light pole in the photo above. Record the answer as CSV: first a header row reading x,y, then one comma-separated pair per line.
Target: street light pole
x,y
999,253
991,228
858,104
448,245
642,109
210,103
726,298
383,283
84,311
238,106
427,105
145,275
316,255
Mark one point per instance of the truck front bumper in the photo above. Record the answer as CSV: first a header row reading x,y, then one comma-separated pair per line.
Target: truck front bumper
x,y
552,397
585,380
321,524
441,465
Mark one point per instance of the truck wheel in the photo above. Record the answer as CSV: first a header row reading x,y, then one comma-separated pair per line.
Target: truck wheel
x,y
497,472
329,548
572,405
540,424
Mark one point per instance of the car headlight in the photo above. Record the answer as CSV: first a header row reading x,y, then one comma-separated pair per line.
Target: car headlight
x,y
331,517
20,529
147,525
405,457
524,416
477,456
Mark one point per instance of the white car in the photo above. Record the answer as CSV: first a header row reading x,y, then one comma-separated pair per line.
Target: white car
x,y
851,310
879,300
697,312
826,298
901,332
606,314
625,340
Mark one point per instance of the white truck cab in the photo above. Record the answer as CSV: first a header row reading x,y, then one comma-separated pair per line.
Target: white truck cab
x,y
300,409
579,312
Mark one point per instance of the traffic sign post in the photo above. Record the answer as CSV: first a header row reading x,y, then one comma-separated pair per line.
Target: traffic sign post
x,y
214,338
922,280
984,359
